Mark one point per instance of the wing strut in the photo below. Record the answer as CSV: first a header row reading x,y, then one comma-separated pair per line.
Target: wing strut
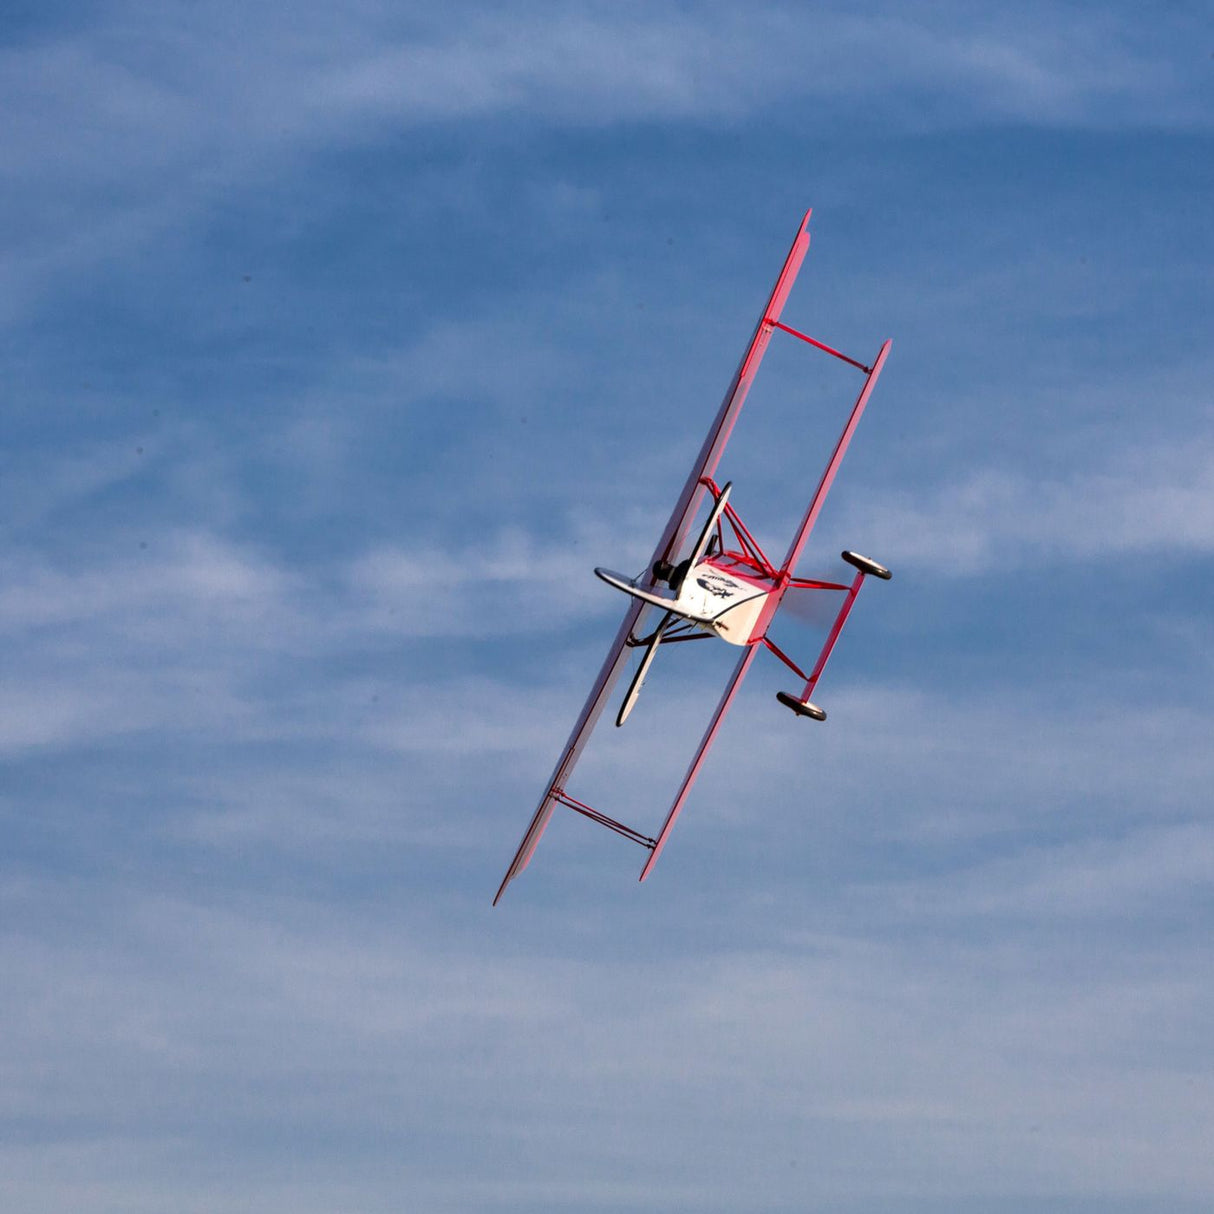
x,y
790,562
801,536
832,467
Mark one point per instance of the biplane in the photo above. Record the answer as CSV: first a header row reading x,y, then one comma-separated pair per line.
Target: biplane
x,y
722,585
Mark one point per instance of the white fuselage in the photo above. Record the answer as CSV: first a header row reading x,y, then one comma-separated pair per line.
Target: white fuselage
x,y
725,597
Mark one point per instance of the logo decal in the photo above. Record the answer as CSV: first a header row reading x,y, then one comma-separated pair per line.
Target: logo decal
x,y
717,584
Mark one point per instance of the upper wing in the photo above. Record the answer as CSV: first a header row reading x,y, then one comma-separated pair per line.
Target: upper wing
x,y
722,426
672,537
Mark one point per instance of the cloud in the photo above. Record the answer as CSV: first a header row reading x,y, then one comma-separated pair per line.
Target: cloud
x,y
508,583
192,1018
1155,500
190,572
1155,873
141,643
498,1081
113,139
263,775
612,63
197,630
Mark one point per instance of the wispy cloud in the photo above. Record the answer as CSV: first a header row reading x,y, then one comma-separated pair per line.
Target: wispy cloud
x,y
508,583
1156,500
114,137
343,343
147,642
1155,872
212,1024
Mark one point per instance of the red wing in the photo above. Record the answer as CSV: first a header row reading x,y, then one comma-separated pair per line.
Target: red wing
x,y
617,656
672,537
722,426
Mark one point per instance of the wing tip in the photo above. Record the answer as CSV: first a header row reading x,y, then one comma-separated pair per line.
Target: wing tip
x,y
501,889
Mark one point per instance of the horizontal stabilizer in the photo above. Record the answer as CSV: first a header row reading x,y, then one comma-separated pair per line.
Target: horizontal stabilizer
x,y
628,586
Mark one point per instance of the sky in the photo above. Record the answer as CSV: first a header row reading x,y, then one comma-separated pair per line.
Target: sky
x,y
340,344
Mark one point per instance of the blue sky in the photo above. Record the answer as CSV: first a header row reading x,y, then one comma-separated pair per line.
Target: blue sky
x,y
340,346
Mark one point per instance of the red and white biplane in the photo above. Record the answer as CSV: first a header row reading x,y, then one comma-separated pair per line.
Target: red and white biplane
x,y
724,586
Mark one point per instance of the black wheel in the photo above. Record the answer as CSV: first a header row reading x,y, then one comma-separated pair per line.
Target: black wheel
x,y
801,707
866,566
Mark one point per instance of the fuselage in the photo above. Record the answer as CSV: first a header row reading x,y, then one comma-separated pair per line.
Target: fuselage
x,y
726,597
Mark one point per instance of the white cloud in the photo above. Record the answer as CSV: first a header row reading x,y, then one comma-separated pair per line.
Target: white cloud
x,y
178,578
112,137
509,583
1146,872
494,1076
610,63
1155,500
196,631
159,641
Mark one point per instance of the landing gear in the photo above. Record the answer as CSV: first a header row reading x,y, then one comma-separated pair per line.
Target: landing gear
x,y
801,707
867,566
